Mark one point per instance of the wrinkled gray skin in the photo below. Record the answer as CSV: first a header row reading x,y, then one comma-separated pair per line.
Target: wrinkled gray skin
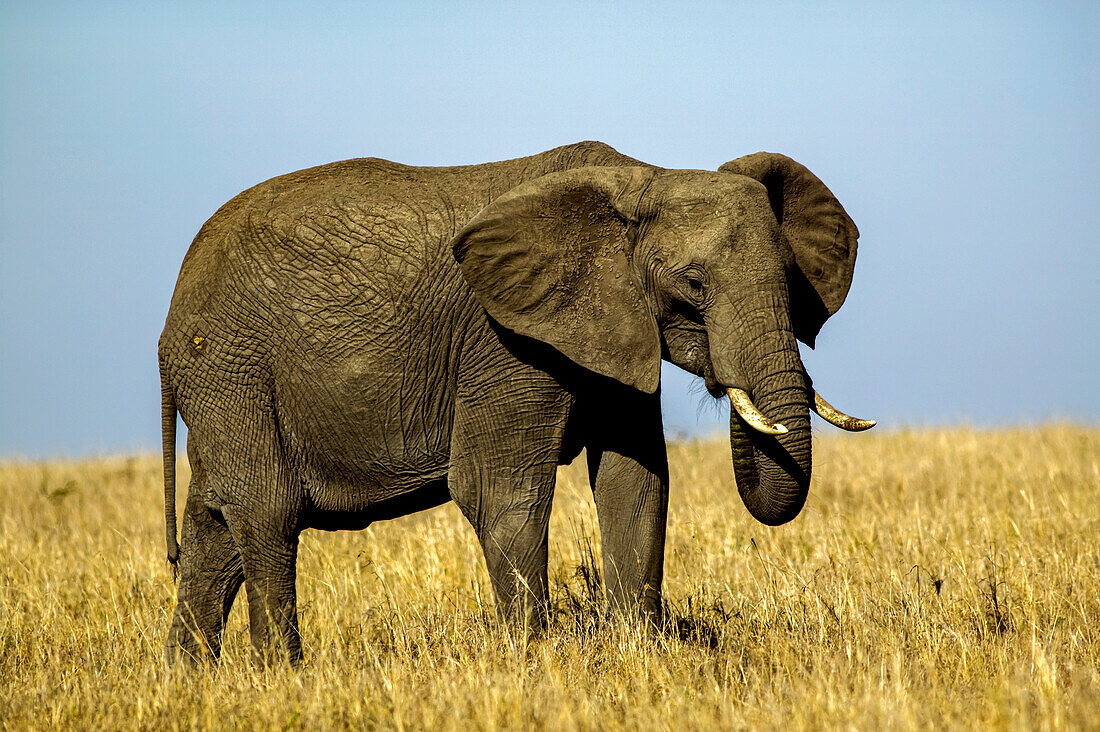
x,y
364,339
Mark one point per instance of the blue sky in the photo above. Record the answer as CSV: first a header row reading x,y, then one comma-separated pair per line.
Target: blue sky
x,y
964,139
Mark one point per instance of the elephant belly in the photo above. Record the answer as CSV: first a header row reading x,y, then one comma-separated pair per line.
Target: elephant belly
x,y
367,435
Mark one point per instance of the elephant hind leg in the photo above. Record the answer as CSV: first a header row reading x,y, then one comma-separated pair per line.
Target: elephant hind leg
x,y
261,501
211,573
269,557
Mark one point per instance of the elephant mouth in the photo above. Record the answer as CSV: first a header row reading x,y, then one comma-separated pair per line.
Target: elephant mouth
x,y
715,389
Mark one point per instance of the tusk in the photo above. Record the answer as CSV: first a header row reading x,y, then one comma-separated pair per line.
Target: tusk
x,y
742,402
834,416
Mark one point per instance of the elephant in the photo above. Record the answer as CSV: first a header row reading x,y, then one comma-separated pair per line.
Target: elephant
x,y
362,340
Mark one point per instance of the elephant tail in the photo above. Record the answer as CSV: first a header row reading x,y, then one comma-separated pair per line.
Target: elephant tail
x,y
168,452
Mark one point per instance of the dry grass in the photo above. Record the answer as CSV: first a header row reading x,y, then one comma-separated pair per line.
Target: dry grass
x,y
936,578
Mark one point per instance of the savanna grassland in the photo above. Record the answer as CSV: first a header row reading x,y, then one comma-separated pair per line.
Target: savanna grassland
x,y
935,578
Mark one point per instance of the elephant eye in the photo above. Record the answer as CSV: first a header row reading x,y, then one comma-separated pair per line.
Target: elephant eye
x,y
694,283
690,284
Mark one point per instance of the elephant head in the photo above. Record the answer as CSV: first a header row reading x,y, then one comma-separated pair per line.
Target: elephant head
x,y
716,272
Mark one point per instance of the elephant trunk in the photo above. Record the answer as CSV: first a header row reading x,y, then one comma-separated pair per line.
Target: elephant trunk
x,y
773,471
771,447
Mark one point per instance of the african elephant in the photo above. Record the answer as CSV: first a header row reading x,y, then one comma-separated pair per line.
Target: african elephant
x,y
361,340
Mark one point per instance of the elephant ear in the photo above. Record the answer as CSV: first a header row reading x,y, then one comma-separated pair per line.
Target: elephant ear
x,y
819,230
550,259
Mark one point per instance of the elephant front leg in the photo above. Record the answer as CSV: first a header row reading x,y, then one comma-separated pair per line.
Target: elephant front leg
x,y
511,514
504,453
628,469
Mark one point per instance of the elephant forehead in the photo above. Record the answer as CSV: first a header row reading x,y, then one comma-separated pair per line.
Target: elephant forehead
x,y
701,198
714,224
695,225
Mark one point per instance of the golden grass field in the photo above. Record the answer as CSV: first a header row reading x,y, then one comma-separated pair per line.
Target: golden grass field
x,y
935,578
